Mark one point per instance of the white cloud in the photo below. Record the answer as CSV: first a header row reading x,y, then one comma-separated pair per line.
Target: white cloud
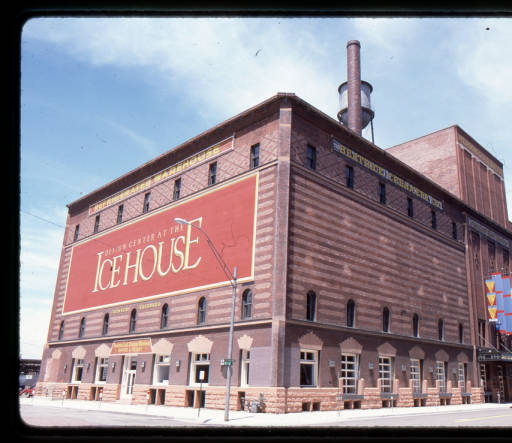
x,y
484,60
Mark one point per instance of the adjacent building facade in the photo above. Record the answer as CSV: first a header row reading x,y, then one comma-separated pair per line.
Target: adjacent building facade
x,y
360,272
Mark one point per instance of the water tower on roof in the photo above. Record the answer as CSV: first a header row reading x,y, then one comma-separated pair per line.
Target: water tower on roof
x,y
355,104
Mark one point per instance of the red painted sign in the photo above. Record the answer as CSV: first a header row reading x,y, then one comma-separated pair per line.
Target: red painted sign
x,y
155,256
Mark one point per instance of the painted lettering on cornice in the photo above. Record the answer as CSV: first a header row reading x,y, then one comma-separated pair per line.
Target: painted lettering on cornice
x,y
194,160
389,176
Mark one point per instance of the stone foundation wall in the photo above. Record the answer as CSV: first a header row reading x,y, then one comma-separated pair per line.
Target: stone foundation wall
x,y
275,400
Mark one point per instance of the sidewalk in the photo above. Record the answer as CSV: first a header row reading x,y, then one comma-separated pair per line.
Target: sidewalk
x,y
242,418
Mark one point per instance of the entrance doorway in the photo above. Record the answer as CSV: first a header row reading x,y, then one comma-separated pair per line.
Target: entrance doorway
x,y
129,370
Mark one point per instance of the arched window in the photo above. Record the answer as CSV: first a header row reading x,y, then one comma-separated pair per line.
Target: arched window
x,y
351,313
133,320
164,316
201,311
61,330
247,304
415,325
461,333
106,320
440,328
311,306
82,328
385,319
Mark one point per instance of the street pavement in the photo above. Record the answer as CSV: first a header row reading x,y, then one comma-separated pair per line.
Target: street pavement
x,y
243,418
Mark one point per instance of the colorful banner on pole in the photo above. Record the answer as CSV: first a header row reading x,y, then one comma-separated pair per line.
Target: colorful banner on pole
x,y
499,302
492,309
507,305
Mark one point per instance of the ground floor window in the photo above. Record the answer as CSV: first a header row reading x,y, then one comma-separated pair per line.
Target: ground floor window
x,y
349,373
441,375
199,369
483,376
101,370
386,373
462,375
416,374
78,370
308,367
161,369
244,368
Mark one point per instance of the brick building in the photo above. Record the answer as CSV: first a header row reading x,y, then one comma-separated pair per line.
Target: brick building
x,y
361,272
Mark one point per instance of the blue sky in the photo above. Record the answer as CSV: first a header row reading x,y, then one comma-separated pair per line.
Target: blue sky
x,y
100,96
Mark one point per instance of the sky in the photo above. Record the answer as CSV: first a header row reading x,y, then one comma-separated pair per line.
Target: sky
x,y
101,96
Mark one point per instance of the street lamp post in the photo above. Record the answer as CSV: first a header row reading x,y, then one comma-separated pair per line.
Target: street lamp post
x,y
232,280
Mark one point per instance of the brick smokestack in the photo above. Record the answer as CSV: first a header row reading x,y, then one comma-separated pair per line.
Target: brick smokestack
x,y
354,86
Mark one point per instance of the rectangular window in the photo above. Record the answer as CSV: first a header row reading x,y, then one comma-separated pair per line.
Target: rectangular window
x,y
97,224
492,256
382,193
454,231
177,189
77,232
410,207
120,213
102,370
212,174
255,156
434,219
483,376
462,375
78,371
161,370
441,375
386,374
349,176
416,374
244,368
506,262
308,367
349,373
311,157
199,369
147,197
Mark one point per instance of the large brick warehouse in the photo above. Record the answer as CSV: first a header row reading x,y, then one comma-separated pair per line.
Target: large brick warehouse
x,y
360,272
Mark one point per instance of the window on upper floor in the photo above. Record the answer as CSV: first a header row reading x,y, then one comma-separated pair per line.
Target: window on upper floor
x,y
351,313
385,319
61,330
81,330
120,213
164,316
410,207
311,157
106,320
415,325
311,306
212,174
440,329
133,320
77,232
201,311
255,156
96,224
433,217
247,304
382,193
177,189
454,231
147,197
349,176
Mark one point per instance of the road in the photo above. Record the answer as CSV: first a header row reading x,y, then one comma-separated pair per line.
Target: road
x,y
47,416
494,418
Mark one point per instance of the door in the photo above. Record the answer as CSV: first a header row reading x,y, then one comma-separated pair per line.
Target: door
x,y
129,370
